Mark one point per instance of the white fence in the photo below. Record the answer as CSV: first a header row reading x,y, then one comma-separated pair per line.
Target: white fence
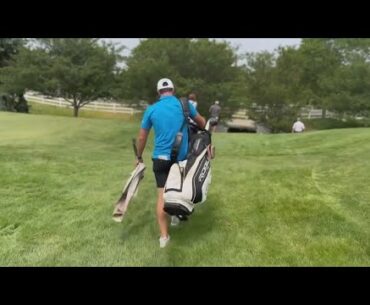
x,y
311,113
92,106
308,113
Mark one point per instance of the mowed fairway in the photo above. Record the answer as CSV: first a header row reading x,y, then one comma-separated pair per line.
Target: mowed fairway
x,y
275,200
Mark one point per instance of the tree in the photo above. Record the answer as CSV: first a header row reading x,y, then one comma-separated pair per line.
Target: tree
x,y
351,84
80,70
320,61
290,69
10,47
203,66
268,102
276,92
349,89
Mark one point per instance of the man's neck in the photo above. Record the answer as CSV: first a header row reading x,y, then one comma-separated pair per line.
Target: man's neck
x,y
166,94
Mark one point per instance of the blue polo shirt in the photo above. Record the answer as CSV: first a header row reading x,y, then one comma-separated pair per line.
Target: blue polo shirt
x,y
166,117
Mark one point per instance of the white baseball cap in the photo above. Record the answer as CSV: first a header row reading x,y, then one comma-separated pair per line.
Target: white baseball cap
x,y
165,83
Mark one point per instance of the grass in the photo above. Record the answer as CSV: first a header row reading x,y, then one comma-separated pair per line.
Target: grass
x,y
275,200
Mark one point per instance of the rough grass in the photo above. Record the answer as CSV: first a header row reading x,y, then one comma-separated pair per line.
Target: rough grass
x,y
275,200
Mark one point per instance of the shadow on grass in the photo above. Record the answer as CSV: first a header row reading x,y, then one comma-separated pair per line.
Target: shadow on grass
x,y
199,224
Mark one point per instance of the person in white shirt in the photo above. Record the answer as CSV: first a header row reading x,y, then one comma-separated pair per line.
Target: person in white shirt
x,y
298,126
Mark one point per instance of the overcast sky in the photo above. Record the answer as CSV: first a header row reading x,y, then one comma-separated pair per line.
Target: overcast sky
x,y
245,44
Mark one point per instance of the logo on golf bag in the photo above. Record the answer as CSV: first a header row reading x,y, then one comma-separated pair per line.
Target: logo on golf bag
x,y
204,171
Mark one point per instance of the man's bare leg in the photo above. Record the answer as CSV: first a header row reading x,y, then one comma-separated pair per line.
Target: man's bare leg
x,y
161,214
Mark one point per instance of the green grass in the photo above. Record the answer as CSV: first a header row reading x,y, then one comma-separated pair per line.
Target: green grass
x,y
275,200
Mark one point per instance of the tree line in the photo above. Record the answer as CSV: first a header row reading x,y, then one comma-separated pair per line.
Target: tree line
x,y
331,74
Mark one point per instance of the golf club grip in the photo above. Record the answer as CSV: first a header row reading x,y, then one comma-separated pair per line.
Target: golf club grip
x,y
134,145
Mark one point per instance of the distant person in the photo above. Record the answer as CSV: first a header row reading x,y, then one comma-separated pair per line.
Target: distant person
x,y
214,111
193,126
298,126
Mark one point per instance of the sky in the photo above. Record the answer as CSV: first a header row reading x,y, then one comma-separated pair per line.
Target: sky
x,y
244,44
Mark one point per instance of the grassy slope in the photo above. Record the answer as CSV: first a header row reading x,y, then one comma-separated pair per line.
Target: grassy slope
x,y
274,200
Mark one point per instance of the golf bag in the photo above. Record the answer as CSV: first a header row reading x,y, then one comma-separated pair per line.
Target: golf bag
x,y
188,181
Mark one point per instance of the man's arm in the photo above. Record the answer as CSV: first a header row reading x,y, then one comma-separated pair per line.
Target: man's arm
x,y
201,121
196,117
141,142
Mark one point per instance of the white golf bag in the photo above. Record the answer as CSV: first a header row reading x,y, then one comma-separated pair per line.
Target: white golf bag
x,y
188,181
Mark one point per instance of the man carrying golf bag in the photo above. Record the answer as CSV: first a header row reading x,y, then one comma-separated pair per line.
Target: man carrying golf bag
x,y
167,119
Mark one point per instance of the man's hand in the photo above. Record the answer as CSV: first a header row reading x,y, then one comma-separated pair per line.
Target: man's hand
x,y
138,160
140,145
201,121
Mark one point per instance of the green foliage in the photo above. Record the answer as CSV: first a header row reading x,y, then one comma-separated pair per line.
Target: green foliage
x,y
77,69
11,97
27,70
202,66
6,103
329,123
331,74
272,101
350,89
8,48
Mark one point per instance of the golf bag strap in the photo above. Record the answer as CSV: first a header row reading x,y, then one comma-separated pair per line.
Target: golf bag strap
x,y
177,143
185,108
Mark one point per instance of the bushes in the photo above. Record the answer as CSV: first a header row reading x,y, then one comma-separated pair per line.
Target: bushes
x,y
13,104
319,124
6,104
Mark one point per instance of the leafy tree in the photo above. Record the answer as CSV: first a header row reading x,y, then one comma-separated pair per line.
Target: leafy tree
x,y
202,66
10,47
320,60
80,70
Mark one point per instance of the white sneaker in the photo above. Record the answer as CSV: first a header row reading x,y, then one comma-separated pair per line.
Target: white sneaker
x,y
163,241
175,221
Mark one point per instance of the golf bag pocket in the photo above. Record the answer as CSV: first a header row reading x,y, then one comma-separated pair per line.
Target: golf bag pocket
x,y
175,177
185,187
